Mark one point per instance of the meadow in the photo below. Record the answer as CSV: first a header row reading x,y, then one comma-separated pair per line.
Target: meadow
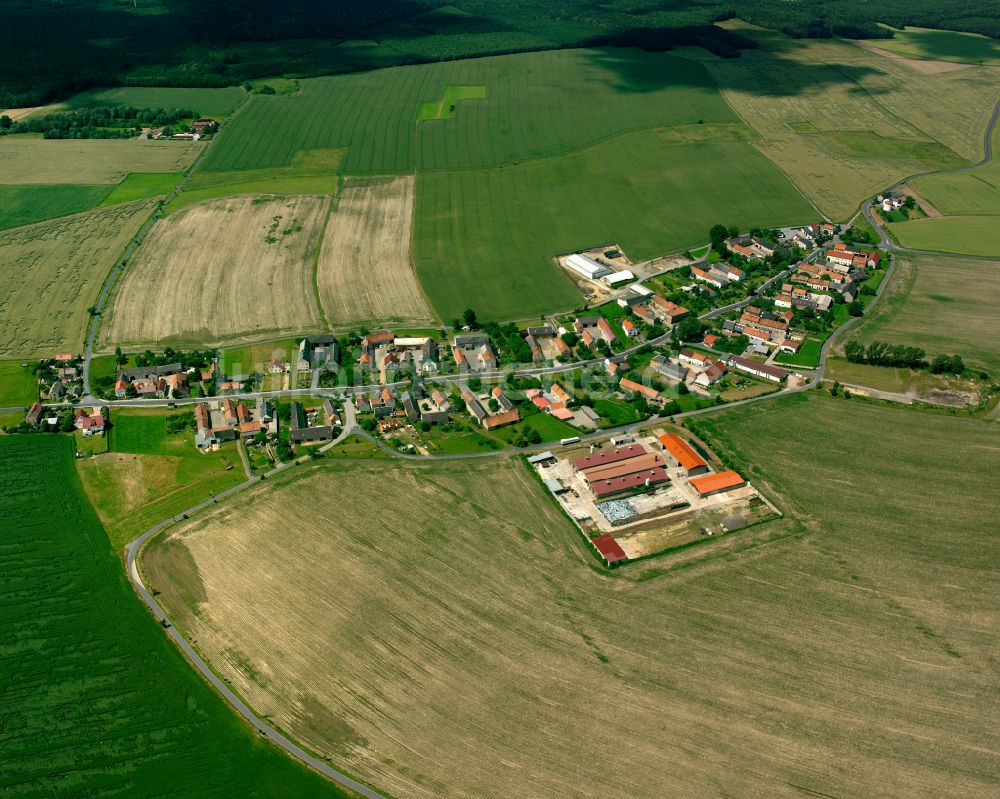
x,y
148,474
844,122
18,385
364,273
944,305
53,272
256,357
88,161
968,235
142,185
224,269
97,702
26,204
844,652
486,239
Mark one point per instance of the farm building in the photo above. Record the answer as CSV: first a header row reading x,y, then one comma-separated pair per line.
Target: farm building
x,y
717,483
684,454
602,456
650,477
757,369
617,278
609,471
588,267
609,549
712,375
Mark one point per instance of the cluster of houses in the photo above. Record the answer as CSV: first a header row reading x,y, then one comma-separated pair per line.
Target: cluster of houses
x,y
228,420
311,425
545,344
702,370
92,423
474,352
750,247
493,410
199,129
383,351
719,275
555,401
807,237
890,202
60,378
167,381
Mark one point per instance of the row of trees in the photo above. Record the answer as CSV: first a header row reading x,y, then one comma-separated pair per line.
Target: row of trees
x,y
879,353
97,122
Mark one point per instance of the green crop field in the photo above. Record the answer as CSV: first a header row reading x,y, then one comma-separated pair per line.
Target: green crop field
x,y
968,235
26,204
944,305
18,384
536,104
853,635
214,103
643,190
142,185
938,45
53,272
97,702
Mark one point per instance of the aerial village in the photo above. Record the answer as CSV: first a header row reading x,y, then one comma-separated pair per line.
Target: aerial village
x,y
744,317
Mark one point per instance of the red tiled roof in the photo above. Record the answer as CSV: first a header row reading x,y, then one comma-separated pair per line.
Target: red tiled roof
x,y
604,488
608,456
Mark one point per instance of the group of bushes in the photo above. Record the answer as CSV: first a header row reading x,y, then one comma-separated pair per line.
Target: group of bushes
x,y
879,353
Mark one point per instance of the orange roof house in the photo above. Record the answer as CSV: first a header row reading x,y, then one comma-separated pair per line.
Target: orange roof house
x,y
717,483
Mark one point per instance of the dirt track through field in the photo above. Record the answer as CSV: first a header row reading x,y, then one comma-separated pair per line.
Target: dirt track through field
x,y
364,272
222,269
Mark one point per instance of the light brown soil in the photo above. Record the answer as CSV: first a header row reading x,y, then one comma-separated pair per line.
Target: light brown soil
x,y
364,272
930,210
222,269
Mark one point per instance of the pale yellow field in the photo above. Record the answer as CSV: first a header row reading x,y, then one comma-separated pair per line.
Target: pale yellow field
x,y
364,271
52,272
89,160
440,631
222,269
844,122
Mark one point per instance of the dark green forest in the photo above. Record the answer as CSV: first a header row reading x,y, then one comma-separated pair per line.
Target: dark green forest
x,y
50,49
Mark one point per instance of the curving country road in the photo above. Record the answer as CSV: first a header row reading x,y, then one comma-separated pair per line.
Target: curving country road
x,y
887,243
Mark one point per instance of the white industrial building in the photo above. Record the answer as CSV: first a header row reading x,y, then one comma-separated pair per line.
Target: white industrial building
x,y
615,278
587,267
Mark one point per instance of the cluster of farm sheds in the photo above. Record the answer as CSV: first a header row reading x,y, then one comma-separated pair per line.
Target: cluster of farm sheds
x,y
635,480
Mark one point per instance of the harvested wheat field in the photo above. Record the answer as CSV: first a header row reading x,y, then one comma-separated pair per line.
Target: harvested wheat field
x,y
364,272
89,160
440,630
222,269
51,272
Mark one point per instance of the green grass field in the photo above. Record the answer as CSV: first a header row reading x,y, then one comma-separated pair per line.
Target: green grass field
x,y
149,474
142,185
18,386
26,204
445,107
808,354
939,45
975,192
214,103
97,702
967,235
643,190
944,305
254,357
856,634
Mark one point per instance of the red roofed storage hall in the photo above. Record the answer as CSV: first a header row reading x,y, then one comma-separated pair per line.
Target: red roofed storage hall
x,y
608,456
609,549
684,454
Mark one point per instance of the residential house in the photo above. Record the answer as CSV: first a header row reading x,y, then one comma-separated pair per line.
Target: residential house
x,y
712,375
317,352
671,311
34,414
695,358
630,328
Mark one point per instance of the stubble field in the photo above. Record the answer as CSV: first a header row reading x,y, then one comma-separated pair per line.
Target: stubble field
x,y
844,122
53,272
364,272
945,305
61,161
414,611
222,269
